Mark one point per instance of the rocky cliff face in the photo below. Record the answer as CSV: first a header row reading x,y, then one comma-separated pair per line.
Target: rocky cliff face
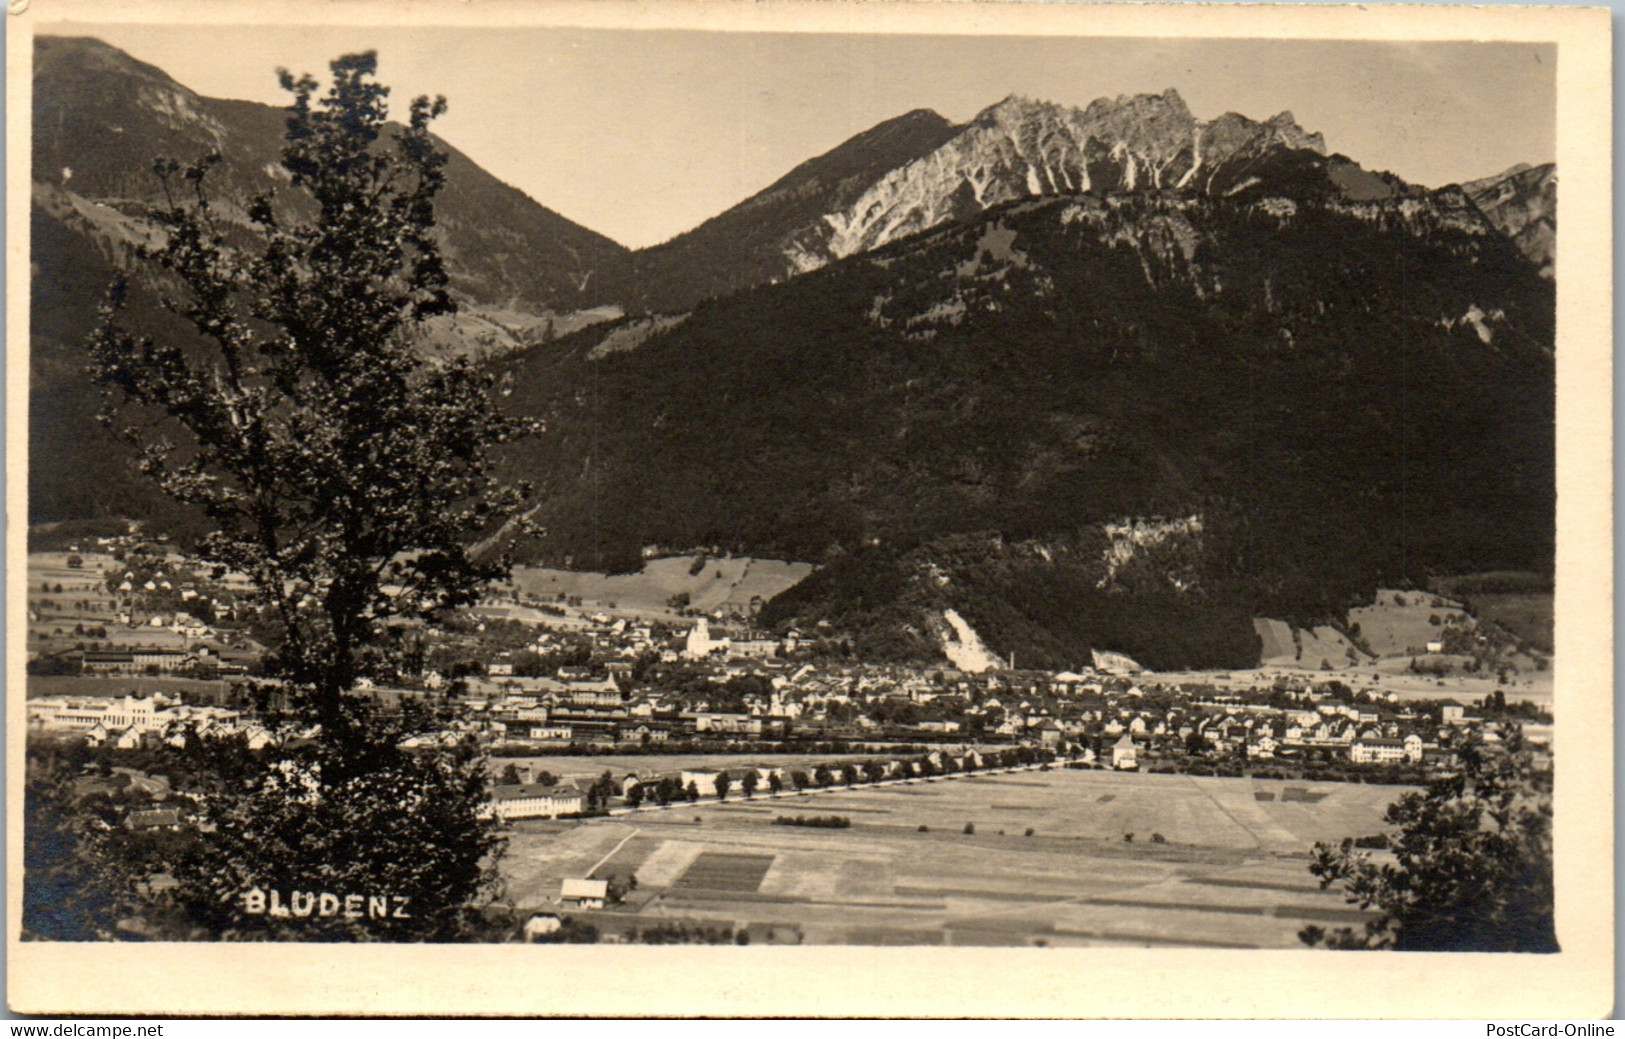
x,y
1522,203
1022,148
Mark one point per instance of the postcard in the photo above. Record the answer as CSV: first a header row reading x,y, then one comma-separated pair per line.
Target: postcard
x,y
809,509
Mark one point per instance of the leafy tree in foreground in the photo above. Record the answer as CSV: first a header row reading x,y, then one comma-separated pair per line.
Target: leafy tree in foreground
x,y
1472,862
346,475
70,894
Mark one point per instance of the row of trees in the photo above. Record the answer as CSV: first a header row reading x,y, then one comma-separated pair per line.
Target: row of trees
x,y
668,790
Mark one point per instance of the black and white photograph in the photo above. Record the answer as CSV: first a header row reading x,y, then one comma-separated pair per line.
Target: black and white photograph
x,y
891,493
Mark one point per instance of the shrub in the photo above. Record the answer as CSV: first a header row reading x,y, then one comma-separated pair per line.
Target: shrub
x,y
1029,831
970,828
573,932
827,822
684,934
924,828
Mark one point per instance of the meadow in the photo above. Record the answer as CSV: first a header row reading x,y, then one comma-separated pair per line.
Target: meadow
x,y
1057,858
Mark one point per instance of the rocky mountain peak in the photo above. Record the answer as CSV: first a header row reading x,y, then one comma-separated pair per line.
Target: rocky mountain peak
x,y
1022,148
1012,108
1522,204
1294,136
1166,106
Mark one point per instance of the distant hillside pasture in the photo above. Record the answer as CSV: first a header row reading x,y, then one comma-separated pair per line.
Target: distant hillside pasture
x,y
1402,623
1284,646
1326,645
712,584
1275,637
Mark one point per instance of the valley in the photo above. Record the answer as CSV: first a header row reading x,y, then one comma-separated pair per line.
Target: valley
x,y
1033,528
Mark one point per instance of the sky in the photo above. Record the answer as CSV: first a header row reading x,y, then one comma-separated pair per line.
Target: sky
x,y
640,135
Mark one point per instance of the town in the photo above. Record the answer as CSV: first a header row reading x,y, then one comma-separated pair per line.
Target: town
x,y
574,680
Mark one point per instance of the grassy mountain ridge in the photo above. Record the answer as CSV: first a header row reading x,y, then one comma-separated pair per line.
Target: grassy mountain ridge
x,y
100,120
747,244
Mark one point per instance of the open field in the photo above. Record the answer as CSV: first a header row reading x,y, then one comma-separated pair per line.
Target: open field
x,y
1402,623
83,601
1233,870
196,690
1284,646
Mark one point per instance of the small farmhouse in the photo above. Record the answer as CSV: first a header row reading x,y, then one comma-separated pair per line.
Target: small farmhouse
x,y
583,894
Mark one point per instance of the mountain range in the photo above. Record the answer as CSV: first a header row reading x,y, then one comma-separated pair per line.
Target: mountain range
x,y
918,171
1108,377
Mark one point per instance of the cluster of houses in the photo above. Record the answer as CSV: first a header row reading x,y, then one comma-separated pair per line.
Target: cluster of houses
x,y
161,605
601,704
596,711
130,722
1089,710
1107,712
169,599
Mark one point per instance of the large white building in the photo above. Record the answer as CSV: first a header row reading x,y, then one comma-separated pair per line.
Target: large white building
x,y
1377,751
534,801
82,713
700,644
